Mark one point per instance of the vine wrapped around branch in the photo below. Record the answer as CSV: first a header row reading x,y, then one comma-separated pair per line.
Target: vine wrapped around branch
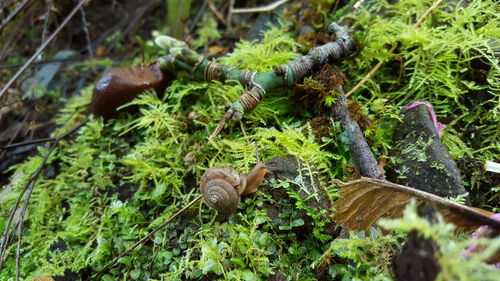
x,y
258,83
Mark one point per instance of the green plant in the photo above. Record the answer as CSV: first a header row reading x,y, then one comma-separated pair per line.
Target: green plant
x,y
454,266
437,62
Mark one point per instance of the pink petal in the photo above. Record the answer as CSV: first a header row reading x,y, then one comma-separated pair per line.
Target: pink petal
x,y
439,126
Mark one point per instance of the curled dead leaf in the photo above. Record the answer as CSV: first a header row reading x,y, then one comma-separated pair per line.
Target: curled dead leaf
x,y
366,200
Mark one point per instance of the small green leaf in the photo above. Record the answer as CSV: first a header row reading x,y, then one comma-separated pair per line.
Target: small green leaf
x,y
134,274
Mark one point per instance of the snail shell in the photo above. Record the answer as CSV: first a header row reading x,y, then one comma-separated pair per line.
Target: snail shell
x,y
221,188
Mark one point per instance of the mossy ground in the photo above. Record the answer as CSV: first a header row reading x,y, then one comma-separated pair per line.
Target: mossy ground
x,y
114,181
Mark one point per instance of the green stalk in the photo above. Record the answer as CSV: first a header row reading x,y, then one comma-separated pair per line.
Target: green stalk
x,y
258,83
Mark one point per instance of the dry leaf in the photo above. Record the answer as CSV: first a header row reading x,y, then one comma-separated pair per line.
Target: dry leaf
x,y
366,200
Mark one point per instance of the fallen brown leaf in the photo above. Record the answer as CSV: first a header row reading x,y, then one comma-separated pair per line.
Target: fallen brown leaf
x,y
366,200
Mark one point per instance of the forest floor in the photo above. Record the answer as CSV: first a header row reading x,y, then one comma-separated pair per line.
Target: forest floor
x,y
378,162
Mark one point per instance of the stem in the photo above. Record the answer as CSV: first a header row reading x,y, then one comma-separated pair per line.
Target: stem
x,y
361,152
258,83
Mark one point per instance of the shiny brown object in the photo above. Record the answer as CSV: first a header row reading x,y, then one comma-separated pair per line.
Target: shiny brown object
x,y
121,85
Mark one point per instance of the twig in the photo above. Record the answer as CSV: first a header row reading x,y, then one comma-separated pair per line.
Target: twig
x,y
379,64
222,122
242,126
21,220
44,45
129,22
426,13
46,21
216,12
198,16
230,13
2,154
360,149
13,14
24,143
87,34
370,73
18,144
143,239
265,8
14,65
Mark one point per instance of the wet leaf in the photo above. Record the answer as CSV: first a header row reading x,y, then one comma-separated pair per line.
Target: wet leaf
x,y
364,201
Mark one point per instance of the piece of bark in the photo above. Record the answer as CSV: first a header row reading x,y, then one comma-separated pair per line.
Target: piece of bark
x,y
419,159
417,260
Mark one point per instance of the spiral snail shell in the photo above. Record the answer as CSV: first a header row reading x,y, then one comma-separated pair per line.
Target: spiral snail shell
x,y
222,186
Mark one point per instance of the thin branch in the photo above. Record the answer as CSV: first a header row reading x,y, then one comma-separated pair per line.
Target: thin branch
x,y
13,137
426,13
220,126
257,157
87,34
370,73
265,8
9,104
379,64
216,12
198,16
149,235
242,127
230,13
20,223
39,51
18,144
46,21
14,65
24,143
13,14
360,149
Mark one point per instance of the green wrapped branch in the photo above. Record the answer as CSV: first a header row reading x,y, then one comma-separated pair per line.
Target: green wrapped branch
x,y
258,83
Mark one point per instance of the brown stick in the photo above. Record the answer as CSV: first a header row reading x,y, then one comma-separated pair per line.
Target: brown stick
x,y
222,122
360,149
379,64
216,12
13,14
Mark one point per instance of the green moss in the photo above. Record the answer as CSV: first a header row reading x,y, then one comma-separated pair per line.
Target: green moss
x,y
450,247
275,49
115,181
449,61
